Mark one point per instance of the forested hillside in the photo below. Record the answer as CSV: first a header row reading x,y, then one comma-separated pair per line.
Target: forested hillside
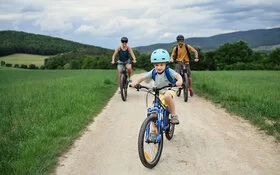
x,y
254,38
21,42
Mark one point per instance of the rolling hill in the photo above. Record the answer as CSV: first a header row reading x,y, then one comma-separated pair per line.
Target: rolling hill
x,y
12,42
254,38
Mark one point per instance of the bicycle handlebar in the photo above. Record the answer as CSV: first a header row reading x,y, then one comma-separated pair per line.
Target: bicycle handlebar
x,y
154,89
123,63
184,61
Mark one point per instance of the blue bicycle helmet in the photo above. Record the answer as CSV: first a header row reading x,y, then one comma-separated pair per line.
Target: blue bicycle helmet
x,y
159,56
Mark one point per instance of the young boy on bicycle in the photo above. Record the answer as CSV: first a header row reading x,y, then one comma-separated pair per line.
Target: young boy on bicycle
x,y
123,52
160,58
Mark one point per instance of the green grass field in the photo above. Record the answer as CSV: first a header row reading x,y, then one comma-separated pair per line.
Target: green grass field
x,y
26,59
42,112
255,95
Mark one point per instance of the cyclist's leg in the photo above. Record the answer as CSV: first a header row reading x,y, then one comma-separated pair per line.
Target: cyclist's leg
x,y
129,69
178,68
190,79
168,98
120,66
189,76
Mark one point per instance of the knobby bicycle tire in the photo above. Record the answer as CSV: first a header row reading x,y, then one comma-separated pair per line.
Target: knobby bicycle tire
x,y
123,86
186,87
141,140
170,131
178,93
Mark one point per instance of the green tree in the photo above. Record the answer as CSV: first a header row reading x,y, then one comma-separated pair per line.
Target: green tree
x,y
210,61
235,52
274,56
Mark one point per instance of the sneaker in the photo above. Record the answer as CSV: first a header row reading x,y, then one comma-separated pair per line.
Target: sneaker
x,y
191,93
174,119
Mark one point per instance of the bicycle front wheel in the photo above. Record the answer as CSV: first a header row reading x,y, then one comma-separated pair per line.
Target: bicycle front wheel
x,y
123,86
186,87
170,131
178,93
149,148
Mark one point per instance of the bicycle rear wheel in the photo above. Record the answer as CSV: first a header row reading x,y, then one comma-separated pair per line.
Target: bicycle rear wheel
x,y
149,150
123,86
186,87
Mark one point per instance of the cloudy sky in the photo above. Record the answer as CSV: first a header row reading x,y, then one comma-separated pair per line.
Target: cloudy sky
x,y
144,22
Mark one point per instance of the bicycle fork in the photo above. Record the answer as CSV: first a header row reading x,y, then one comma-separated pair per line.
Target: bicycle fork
x,y
156,127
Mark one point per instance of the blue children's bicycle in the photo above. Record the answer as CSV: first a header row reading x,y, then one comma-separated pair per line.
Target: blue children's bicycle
x,y
150,139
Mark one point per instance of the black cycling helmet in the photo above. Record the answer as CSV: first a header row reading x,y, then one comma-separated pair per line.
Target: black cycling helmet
x,y
180,37
124,39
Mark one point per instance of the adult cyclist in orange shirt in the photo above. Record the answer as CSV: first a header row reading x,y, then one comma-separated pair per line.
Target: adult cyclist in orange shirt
x,y
182,55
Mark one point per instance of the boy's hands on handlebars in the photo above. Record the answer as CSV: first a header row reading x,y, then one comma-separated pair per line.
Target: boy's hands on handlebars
x,y
133,84
179,83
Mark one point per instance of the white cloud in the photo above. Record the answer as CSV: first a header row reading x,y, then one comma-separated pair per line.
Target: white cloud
x,y
51,24
144,21
10,17
85,29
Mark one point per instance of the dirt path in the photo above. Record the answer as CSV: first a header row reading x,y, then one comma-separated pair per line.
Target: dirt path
x,y
207,141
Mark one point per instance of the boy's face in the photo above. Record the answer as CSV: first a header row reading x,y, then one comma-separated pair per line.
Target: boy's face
x,y
159,67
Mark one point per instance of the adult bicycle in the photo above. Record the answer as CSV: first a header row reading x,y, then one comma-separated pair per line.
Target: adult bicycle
x,y
123,80
150,139
185,86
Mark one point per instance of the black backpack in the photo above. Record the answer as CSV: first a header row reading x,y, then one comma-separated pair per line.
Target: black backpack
x,y
188,52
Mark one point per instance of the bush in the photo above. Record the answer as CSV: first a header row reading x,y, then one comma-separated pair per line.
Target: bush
x,y
67,66
3,63
23,66
42,67
16,66
8,65
32,66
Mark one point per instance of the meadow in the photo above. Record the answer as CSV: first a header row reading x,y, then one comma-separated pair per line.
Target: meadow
x,y
254,95
42,112
26,59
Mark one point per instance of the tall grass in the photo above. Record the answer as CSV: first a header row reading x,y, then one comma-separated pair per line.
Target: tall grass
x,y
42,112
26,59
254,95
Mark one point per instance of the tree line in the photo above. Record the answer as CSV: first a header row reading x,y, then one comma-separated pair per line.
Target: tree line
x,y
230,56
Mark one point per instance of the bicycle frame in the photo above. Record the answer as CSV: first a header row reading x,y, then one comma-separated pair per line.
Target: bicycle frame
x,y
124,69
160,111
184,69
